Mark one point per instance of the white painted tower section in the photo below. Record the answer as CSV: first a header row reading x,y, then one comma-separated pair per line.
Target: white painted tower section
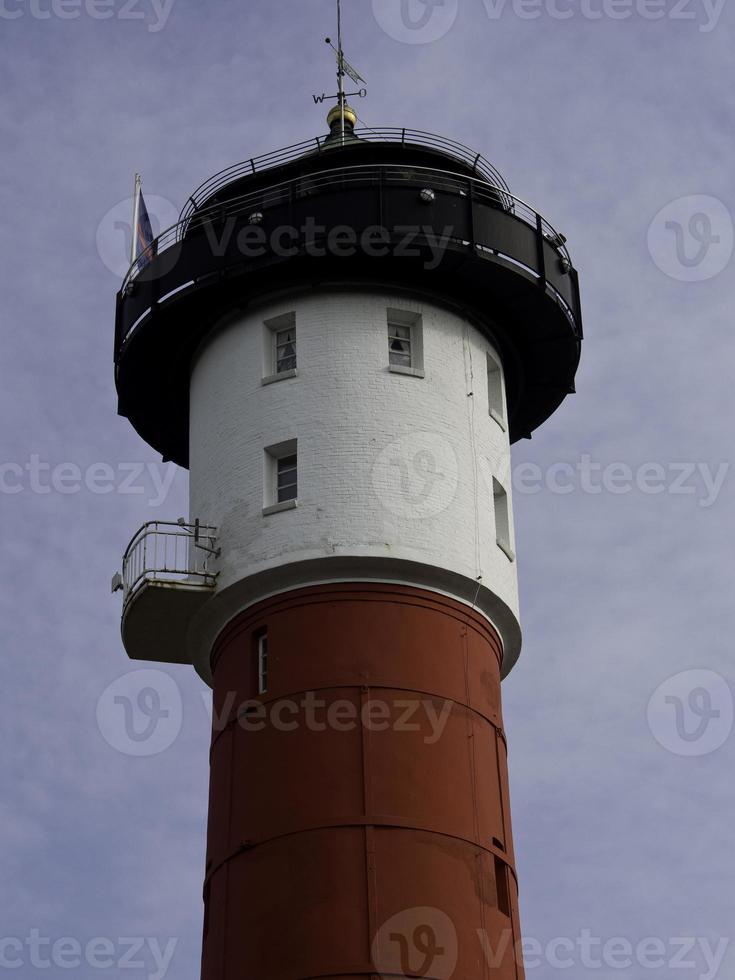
x,y
403,474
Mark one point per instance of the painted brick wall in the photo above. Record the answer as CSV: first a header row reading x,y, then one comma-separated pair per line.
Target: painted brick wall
x,y
390,466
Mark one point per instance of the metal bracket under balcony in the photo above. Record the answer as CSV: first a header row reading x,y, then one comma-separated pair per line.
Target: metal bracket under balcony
x,y
167,577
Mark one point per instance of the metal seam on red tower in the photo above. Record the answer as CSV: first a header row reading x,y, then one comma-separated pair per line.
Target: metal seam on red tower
x,y
369,821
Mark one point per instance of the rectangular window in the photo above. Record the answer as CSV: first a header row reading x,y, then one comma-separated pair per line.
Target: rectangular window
x,y
286,479
280,484
405,343
495,390
262,663
280,358
501,886
285,341
399,345
502,519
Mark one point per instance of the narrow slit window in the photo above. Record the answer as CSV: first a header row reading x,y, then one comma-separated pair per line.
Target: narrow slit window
x,y
285,350
502,519
502,887
399,345
262,663
286,479
495,390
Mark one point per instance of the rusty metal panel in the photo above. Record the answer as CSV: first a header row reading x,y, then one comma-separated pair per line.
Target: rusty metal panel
x,y
300,778
422,778
421,874
489,802
297,907
220,789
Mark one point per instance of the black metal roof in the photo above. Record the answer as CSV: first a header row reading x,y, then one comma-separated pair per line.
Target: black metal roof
x,y
503,266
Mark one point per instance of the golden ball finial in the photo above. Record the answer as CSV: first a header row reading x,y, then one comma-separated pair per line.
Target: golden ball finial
x,y
335,116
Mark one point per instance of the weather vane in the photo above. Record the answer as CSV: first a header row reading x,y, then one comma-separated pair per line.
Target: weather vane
x,y
343,68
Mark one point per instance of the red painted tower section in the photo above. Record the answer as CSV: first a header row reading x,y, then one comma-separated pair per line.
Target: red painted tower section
x,y
359,813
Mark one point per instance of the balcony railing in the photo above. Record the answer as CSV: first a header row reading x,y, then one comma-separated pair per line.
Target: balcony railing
x,y
344,178
319,144
168,553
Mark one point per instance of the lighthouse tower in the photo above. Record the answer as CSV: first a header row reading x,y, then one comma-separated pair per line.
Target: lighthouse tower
x,y
341,340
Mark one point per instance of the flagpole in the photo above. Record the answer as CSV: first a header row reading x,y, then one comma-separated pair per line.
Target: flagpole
x,y
136,216
341,72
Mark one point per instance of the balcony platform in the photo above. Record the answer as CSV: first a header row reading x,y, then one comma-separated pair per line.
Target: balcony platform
x,y
166,580
156,620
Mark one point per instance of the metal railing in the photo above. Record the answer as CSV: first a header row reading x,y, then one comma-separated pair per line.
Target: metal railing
x,y
343,177
162,551
319,144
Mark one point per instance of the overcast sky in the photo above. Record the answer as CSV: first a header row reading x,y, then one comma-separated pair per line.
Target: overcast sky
x,y
615,120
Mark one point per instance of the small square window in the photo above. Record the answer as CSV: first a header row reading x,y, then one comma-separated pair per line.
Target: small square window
x,y
405,343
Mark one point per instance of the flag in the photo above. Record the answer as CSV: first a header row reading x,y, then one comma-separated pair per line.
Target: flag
x,y
143,234
143,237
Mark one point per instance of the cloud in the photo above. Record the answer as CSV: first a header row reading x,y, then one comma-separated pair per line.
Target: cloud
x,y
599,125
